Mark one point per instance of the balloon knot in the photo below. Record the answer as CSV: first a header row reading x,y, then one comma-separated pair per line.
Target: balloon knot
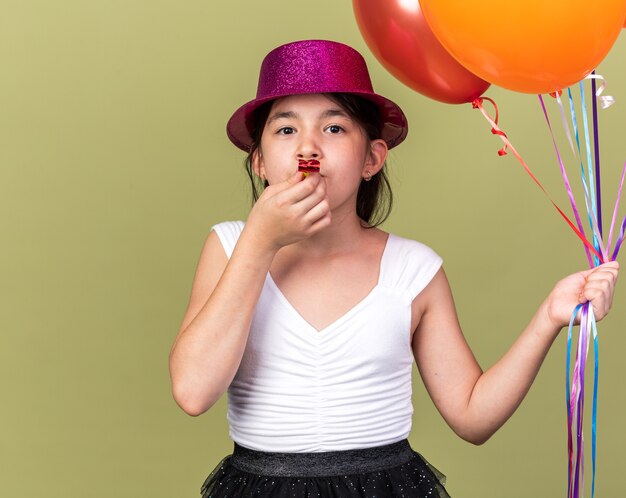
x,y
556,94
477,104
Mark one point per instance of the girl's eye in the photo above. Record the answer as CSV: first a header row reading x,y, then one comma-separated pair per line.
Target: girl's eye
x,y
286,130
335,129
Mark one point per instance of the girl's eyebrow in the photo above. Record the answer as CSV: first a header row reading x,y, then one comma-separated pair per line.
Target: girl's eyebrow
x,y
282,115
331,113
328,113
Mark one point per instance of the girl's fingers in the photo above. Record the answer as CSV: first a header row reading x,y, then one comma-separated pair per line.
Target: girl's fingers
x,y
599,288
318,212
313,199
295,208
320,224
297,188
301,198
610,268
609,275
596,285
606,273
602,277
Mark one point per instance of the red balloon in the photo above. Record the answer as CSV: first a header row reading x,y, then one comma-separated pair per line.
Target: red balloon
x,y
399,37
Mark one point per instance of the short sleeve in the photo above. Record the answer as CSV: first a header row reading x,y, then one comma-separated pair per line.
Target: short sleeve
x,y
408,265
228,233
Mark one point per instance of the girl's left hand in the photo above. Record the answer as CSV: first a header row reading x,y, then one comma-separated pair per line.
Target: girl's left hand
x,y
596,285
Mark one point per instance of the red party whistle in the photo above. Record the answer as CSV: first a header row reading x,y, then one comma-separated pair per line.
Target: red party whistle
x,y
310,166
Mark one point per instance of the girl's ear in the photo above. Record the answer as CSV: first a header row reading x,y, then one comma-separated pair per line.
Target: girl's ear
x,y
376,157
257,164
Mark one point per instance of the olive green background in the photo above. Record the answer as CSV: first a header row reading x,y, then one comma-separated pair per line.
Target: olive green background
x,y
114,164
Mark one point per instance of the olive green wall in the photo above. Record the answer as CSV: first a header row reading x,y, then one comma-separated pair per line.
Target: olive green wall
x,y
114,164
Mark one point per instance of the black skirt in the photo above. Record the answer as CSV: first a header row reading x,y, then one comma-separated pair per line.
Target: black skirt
x,y
393,470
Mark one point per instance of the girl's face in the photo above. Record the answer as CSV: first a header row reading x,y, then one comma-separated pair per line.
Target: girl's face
x,y
315,127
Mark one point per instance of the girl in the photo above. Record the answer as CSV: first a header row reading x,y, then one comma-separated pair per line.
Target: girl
x,y
311,317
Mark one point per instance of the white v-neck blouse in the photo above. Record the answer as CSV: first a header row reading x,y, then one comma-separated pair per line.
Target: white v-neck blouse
x,y
346,386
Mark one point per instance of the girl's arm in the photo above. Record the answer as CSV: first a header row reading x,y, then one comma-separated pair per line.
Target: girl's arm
x,y
210,343
475,403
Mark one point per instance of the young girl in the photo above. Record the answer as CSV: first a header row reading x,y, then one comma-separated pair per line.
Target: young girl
x,y
311,317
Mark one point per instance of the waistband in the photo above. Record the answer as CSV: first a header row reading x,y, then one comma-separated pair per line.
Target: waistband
x,y
328,463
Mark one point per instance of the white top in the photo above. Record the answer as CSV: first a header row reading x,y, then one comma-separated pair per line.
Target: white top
x,y
347,386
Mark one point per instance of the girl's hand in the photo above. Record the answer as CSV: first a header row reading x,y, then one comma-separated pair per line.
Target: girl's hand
x,y
290,211
596,285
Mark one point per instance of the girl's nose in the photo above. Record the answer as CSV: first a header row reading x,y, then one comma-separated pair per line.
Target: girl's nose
x,y
308,148
312,155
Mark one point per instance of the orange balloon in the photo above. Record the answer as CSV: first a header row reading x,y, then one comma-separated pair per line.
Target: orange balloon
x,y
399,37
532,46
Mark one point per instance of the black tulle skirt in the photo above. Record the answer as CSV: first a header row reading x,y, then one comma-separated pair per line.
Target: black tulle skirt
x,y
393,470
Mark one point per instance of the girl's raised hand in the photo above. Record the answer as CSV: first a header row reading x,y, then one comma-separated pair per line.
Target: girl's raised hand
x,y
596,286
290,211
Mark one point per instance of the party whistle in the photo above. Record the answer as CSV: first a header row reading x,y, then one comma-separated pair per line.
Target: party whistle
x,y
310,166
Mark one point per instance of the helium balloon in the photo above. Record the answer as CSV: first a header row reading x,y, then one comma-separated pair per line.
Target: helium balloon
x,y
530,46
399,37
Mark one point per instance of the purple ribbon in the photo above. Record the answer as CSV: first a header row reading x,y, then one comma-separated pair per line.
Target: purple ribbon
x,y
596,148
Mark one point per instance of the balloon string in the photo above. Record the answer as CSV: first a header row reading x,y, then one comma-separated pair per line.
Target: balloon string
x,y
619,195
594,412
557,96
477,104
596,221
596,149
588,190
575,400
576,136
597,237
592,180
580,406
566,127
620,239
605,100
569,395
568,187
